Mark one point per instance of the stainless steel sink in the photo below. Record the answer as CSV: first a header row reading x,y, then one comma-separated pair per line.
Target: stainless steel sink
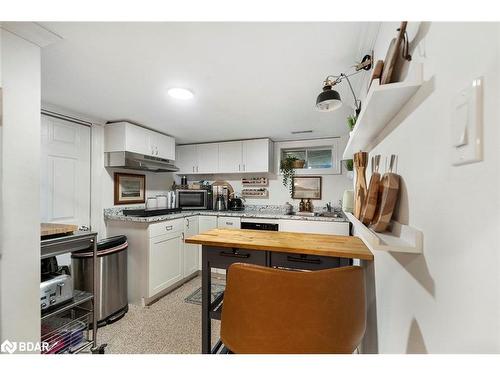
x,y
338,215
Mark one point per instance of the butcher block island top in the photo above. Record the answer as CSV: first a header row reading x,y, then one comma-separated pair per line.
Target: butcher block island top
x,y
285,242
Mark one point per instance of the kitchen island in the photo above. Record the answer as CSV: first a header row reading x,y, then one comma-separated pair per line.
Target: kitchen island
x,y
304,251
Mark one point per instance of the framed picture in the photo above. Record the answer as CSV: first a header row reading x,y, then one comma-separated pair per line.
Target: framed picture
x,y
130,188
307,187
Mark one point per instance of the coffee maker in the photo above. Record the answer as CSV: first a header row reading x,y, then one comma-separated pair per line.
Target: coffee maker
x,y
220,198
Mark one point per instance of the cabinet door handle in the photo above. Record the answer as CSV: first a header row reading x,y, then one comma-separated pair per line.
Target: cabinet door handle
x,y
196,168
182,236
229,223
234,254
303,260
244,167
193,168
187,223
239,167
169,227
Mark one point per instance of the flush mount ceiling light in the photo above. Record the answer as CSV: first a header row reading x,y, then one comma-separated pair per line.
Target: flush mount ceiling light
x,y
329,99
180,93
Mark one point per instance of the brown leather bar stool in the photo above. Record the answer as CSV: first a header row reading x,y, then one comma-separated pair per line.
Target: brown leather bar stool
x,y
269,310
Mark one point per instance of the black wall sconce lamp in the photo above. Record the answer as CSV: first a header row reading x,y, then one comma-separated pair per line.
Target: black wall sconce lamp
x,y
329,99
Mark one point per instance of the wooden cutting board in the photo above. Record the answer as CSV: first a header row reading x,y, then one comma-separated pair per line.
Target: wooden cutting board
x,y
388,196
377,72
393,52
371,199
360,163
50,229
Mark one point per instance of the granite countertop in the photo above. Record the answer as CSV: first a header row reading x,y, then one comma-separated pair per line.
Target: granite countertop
x,y
261,212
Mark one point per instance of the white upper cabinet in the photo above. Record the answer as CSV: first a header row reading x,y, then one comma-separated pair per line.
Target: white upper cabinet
x,y
124,136
257,155
202,158
186,159
249,156
208,157
230,157
162,146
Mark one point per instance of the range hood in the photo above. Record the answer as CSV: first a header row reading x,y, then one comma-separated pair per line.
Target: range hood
x,y
131,160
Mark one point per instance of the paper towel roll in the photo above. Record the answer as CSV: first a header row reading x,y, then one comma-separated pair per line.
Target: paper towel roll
x,y
348,201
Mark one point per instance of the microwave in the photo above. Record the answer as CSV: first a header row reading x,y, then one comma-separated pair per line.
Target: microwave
x,y
188,199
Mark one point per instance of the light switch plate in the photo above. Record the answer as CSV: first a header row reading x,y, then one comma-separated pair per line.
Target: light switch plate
x,y
467,124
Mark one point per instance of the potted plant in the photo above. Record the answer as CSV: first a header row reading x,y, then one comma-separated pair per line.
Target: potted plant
x,y
351,121
349,165
298,164
287,169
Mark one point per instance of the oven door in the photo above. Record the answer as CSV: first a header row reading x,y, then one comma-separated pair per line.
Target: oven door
x,y
192,199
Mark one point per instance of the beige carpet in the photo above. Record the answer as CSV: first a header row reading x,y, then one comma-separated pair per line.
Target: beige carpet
x,y
169,325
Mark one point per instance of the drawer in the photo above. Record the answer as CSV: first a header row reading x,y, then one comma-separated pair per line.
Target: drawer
x,y
228,222
166,227
306,262
224,257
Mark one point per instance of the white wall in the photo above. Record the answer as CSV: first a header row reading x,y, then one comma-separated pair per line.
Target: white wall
x,y
447,299
20,200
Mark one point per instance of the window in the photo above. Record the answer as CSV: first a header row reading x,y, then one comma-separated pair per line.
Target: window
x,y
321,156
315,158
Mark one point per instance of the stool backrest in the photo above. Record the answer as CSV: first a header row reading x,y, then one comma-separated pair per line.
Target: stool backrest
x,y
269,310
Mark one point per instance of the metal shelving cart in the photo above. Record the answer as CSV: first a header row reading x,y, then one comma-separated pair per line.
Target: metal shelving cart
x,y
66,328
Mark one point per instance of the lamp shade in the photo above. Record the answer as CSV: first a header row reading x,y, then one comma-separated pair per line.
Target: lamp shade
x,y
328,100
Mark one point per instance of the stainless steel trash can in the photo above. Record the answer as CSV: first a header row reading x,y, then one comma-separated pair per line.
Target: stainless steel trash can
x,y
111,293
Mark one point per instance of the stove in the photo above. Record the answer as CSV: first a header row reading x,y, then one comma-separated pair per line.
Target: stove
x,y
151,212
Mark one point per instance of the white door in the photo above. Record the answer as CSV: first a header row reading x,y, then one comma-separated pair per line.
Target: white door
x,y
186,159
65,172
230,157
165,262
256,155
208,158
191,251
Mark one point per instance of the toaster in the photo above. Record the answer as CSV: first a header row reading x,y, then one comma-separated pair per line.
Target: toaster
x,y
55,289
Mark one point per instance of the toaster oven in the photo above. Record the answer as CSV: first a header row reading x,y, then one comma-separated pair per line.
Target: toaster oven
x,y
55,289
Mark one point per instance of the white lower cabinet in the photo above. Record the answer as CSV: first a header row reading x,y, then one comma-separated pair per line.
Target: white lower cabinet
x,y
191,252
228,222
318,227
165,262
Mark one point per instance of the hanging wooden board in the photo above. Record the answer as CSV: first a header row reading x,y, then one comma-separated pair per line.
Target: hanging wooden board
x,y
388,196
371,199
360,163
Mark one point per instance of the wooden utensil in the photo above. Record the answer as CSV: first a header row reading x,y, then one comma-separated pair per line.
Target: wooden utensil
x,y
389,185
372,195
395,50
360,162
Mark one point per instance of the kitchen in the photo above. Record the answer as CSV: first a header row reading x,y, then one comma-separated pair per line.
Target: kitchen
x,y
183,188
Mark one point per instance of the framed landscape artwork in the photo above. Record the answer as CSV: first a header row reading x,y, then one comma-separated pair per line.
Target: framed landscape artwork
x,y
306,187
130,188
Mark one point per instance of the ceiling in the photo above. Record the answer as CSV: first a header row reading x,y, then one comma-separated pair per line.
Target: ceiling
x,y
250,79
